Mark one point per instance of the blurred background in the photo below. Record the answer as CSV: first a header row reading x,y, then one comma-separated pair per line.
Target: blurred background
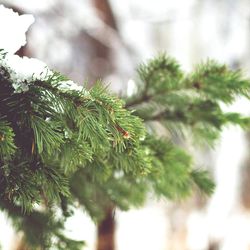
x,y
89,40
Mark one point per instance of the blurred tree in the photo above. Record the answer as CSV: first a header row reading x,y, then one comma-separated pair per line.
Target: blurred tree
x,y
184,105
106,227
105,12
245,184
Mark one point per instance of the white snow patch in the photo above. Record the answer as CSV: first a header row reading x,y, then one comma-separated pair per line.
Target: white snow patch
x,y
24,70
13,28
70,85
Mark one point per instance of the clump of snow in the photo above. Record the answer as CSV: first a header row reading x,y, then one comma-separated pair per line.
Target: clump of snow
x,y
13,28
31,5
70,85
23,70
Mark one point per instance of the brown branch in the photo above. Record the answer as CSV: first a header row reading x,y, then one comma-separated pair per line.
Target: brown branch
x,y
105,12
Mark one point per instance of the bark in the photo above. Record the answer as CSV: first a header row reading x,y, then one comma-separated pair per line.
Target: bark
x,y
22,246
245,181
106,228
105,13
101,54
213,246
106,231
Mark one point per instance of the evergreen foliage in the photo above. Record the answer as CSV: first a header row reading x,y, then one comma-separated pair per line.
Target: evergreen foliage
x,y
61,146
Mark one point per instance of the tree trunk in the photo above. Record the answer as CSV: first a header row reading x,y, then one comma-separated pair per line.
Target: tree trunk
x,y
106,231
105,12
21,245
245,180
106,228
